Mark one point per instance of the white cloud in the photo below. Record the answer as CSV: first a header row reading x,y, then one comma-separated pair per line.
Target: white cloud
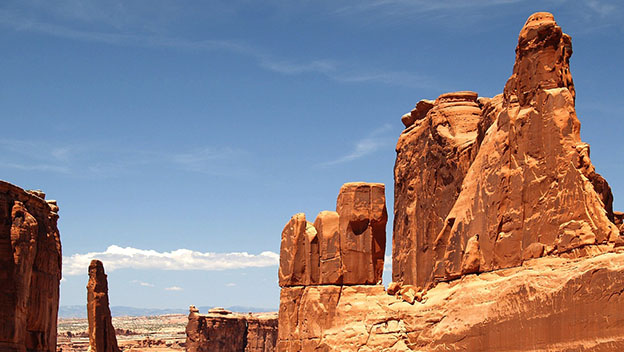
x,y
141,283
230,284
173,288
375,141
116,257
388,263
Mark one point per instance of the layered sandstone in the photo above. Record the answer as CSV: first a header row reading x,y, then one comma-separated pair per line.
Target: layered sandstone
x,y
30,270
345,247
483,184
101,331
223,331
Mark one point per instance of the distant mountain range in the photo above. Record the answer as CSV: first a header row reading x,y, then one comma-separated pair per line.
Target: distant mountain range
x,y
123,311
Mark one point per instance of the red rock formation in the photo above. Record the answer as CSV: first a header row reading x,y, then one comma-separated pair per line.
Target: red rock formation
x,y
361,208
261,332
30,270
343,247
296,259
485,184
433,156
101,331
223,331
328,232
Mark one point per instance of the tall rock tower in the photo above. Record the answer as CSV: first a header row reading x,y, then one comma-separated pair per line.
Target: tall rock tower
x,y
483,184
101,331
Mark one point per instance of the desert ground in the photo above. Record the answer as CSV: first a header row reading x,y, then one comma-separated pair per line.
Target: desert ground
x,y
137,334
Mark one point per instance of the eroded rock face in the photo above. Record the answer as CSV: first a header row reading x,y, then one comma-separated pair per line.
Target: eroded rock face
x,y
101,331
30,270
345,247
433,157
225,331
483,184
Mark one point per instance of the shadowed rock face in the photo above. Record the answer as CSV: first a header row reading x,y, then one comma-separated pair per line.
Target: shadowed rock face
x,y
501,187
510,173
224,331
30,270
101,331
433,157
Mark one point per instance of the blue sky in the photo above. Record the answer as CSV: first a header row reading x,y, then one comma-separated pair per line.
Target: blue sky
x,y
179,137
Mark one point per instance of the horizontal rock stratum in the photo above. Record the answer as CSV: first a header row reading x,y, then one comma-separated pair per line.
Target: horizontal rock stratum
x,y
504,235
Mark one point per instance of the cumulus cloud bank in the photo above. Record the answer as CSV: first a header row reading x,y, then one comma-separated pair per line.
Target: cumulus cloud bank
x,y
116,257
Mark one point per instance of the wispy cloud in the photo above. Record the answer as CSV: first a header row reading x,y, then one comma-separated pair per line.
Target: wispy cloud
x,y
602,8
376,140
103,161
412,7
174,288
203,159
230,284
115,257
332,69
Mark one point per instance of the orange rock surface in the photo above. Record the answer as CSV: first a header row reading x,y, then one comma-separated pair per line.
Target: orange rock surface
x,y
223,331
504,237
483,184
342,247
548,304
30,270
101,331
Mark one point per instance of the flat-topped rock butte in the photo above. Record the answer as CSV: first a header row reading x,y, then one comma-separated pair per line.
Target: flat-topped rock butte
x,y
504,235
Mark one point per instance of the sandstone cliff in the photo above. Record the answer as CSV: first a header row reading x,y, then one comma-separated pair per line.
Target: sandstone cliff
x,y
223,331
504,237
483,184
30,270
101,331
